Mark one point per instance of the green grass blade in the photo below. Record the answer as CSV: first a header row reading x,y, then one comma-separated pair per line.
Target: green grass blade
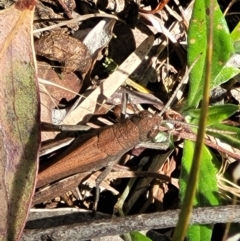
x,y
189,195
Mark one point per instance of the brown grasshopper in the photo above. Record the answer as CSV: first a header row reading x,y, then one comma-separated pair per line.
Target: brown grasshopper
x,y
102,149
105,147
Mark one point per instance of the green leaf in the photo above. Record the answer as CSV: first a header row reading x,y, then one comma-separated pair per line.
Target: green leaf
x,y
197,44
137,236
19,119
237,46
207,191
235,35
216,114
199,232
227,134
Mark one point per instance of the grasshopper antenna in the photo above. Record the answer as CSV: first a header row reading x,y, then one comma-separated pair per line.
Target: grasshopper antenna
x,y
170,101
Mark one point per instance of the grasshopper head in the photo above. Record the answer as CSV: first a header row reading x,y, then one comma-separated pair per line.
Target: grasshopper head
x,y
147,123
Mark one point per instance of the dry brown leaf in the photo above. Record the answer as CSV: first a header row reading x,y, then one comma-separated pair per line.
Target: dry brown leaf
x,y
99,36
156,164
61,47
68,84
111,84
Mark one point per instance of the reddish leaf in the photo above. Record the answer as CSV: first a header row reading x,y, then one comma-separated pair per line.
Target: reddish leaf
x,y
19,120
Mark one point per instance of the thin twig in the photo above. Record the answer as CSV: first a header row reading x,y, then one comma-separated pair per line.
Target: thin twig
x,y
72,229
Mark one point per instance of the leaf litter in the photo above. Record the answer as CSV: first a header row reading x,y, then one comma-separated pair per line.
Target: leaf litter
x,y
99,37
77,55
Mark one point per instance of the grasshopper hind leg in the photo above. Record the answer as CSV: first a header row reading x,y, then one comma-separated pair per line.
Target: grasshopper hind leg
x,y
99,180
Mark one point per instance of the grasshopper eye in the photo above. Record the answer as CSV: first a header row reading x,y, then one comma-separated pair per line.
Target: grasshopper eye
x,y
145,114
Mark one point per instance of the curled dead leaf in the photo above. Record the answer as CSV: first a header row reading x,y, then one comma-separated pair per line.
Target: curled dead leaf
x,y
59,46
65,86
